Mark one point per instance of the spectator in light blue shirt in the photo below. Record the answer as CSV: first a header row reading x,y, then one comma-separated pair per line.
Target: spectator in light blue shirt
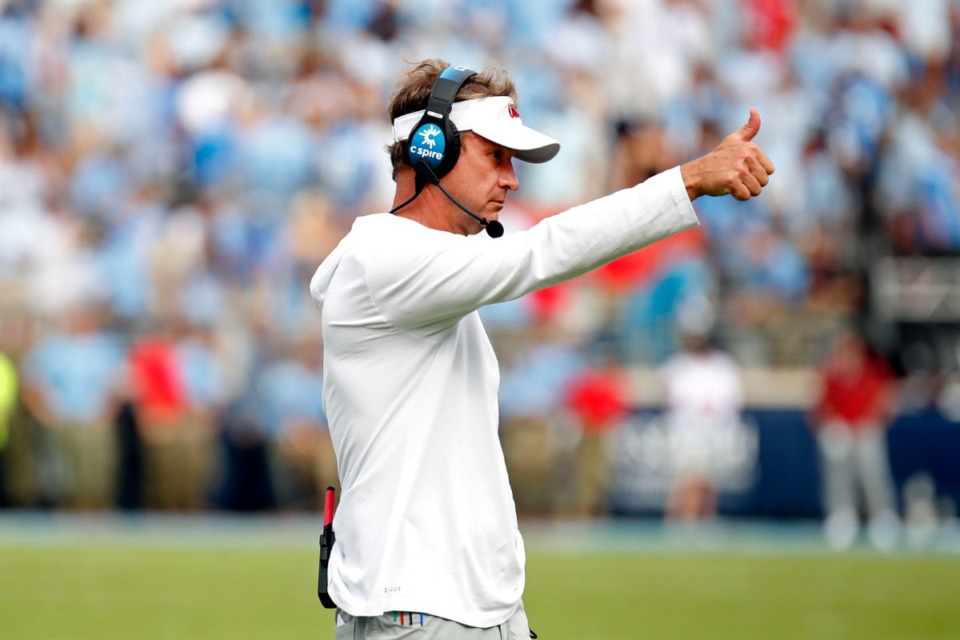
x,y
70,381
291,412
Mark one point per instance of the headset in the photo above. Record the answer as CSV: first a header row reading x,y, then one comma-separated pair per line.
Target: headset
x,y
434,141
433,146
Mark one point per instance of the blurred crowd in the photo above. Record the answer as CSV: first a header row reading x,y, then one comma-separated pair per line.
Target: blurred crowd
x,y
171,174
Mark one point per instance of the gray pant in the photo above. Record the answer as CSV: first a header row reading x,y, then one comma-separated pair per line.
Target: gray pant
x,y
856,460
405,624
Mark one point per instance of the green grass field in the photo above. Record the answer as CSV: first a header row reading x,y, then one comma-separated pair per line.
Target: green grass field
x,y
67,588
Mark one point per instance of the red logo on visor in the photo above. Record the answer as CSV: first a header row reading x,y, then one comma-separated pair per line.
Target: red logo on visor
x,y
514,113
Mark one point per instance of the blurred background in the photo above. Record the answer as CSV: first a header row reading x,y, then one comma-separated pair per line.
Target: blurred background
x,y
170,178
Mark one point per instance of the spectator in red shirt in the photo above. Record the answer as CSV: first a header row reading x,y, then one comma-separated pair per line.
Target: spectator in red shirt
x,y
855,407
597,399
178,442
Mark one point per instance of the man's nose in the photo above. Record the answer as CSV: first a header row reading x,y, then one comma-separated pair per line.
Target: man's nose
x,y
508,177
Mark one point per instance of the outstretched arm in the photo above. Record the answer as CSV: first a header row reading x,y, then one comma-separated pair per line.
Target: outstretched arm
x,y
737,166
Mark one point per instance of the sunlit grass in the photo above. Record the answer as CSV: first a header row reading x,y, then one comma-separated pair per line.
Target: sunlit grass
x,y
159,592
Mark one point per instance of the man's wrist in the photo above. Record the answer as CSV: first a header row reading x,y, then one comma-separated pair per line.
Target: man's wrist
x,y
691,180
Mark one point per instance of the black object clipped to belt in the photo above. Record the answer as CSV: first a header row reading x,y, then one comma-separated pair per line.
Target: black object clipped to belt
x,y
327,538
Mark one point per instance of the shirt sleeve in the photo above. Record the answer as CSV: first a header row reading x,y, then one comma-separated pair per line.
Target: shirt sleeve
x,y
436,278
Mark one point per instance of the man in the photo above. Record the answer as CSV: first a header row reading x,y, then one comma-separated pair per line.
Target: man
x,y
71,378
703,400
426,526
855,408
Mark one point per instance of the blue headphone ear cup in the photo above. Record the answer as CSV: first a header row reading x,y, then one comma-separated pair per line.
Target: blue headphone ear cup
x,y
427,143
437,146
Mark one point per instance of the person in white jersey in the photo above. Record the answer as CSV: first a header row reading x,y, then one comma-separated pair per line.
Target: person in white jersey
x,y
703,402
427,541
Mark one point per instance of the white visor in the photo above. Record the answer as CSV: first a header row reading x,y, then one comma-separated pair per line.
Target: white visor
x,y
497,120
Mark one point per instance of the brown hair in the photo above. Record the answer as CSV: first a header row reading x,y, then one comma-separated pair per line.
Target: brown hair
x,y
413,92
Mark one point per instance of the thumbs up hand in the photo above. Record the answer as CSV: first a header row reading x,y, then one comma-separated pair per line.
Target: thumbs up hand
x,y
737,166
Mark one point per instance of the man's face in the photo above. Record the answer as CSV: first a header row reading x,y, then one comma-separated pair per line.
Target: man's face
x,y
480,180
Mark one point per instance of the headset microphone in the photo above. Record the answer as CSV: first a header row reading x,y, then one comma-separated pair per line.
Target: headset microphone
x,y
493,227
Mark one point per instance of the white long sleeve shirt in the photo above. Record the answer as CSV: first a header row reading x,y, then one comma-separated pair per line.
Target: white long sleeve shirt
x,y
426,520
